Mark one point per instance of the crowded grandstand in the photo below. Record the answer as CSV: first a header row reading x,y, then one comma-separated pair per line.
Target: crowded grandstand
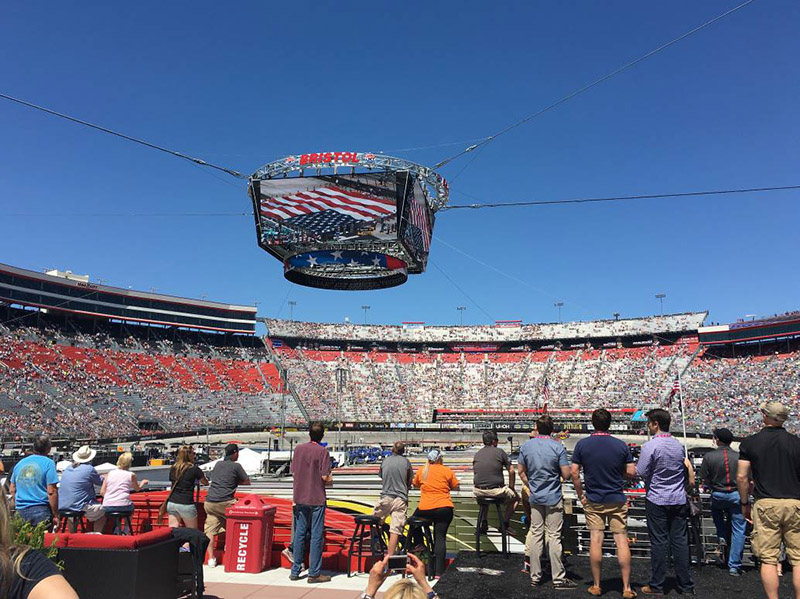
x,y
85,360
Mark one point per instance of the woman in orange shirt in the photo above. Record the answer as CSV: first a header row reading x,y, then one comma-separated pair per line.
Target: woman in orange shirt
x,y
435,481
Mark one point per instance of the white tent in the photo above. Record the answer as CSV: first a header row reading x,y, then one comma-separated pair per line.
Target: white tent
x,y
63,465
251,461
105,468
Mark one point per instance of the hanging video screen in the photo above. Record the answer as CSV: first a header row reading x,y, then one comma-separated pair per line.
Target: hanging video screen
x,y
329,208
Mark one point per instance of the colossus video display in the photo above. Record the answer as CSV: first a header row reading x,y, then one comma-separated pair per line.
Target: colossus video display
x,y
346,208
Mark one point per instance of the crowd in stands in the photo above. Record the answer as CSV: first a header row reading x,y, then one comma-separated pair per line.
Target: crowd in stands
x,y
501,332
98,385
728,391
103,382
408,387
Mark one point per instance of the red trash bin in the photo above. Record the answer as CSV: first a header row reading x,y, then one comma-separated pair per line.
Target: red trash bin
x,y
248,538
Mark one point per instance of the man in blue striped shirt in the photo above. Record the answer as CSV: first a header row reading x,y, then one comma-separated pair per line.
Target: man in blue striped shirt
x,y
666,471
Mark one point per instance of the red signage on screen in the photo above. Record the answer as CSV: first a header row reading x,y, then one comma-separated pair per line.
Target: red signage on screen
x,y
329,158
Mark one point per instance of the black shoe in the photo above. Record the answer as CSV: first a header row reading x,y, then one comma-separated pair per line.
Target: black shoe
x,y
735,572
565,585
691,591
294,577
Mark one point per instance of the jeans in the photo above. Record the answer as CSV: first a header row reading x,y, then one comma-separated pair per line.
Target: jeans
x,y
666,526
35,514
441,518
729,521
308,517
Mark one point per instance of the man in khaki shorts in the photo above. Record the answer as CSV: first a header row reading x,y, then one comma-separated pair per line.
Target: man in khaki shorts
x,y
225,477
773,457
488,466
605,461
396,474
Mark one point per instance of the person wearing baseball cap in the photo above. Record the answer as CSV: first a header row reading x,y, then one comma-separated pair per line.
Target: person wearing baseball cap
x,y
773,457
435,481
718,473
226,476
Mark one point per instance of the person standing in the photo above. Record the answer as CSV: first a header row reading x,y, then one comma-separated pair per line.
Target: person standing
x,y
34,490
541,465
311,474
77,489
397,476
184,475
226,476
773,457
666,473
435,481
488,466
718,472
605,461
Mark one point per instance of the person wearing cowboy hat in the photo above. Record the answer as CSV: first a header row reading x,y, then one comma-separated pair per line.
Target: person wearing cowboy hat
x,y
77,490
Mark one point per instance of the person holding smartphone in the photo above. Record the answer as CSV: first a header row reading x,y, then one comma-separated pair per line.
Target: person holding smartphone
x,y
416,587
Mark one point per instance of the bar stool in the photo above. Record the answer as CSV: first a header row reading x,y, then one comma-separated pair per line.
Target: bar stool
x,y
422,527
367,528
71,518
483,512
119,518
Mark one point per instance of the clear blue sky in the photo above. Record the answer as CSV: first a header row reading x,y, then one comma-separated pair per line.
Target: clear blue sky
x,y
245,83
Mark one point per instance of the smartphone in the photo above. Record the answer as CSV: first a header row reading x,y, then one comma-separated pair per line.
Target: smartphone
x,y
397,563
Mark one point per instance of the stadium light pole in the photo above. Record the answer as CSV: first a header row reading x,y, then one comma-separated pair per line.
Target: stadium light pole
x,y
292,304
660,297
365,308
461,313
616,315
559,305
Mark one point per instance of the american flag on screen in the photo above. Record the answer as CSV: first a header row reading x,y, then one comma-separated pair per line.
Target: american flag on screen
x,y
346,202
418,217
546,393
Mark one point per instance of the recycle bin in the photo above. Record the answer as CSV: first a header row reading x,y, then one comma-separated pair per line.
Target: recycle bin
x,y
248,538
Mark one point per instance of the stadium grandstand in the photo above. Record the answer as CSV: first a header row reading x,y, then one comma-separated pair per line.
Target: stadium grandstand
x,y
502,376
78,359
85,360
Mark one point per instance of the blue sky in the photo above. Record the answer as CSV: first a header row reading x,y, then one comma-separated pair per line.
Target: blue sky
x,y
242,84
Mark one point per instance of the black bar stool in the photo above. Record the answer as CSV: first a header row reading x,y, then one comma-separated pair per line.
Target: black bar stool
x,y
483,512
71,518
119,519
366,535
420,527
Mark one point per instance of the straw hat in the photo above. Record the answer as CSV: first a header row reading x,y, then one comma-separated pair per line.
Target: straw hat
x,y
84,454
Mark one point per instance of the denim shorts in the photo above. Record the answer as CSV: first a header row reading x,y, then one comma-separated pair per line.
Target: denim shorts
x,y
35,514
182,511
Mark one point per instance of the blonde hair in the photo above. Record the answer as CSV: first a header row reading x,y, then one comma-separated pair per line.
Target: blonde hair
x,y
404,589
125,460
10,554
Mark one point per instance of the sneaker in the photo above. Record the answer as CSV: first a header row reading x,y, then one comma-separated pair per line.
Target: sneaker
x,y
288,554
735,572
212,562
319,578
565,585
294,576
535,582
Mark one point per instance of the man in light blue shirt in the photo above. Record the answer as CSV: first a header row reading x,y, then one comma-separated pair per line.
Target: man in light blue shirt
x,y
77,492
542,465
33,485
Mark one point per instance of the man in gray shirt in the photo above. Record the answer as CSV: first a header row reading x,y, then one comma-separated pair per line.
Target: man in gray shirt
x,y
396,474
489,464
